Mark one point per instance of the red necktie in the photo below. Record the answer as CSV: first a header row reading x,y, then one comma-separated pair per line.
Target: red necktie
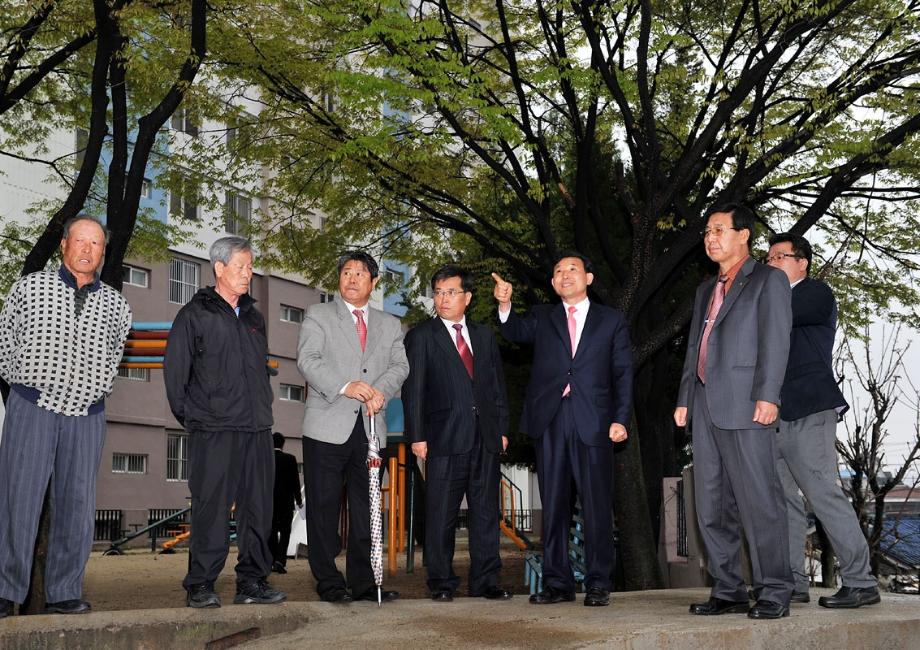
x,y
572,329
362,328
718,296
465,355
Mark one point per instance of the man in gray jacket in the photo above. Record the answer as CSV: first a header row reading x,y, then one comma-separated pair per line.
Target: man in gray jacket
x,y
729,395
353,359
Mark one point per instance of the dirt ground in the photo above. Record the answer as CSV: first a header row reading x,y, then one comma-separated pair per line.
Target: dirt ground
x,y
143,580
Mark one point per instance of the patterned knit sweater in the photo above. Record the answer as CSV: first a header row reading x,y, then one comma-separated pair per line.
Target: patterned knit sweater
x,y
62,343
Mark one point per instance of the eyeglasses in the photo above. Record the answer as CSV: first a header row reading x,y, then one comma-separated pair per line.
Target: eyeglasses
x,y
448,293
781,256
715,231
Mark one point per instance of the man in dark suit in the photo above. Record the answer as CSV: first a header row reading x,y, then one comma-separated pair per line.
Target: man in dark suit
x,y
577,405
287,493
811,405
730,394
456,419
353,360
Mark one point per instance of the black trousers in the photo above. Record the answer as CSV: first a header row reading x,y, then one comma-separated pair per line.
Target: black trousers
x,y
475,474
327,467
280,536
227,468
563,459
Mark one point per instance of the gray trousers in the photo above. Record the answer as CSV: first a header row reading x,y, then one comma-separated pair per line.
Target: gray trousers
x,y
40,446
735,481
808,461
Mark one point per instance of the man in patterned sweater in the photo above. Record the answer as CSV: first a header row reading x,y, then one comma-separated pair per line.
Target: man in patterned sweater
x,y
61,338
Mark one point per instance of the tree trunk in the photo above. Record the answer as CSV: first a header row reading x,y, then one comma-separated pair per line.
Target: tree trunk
x,y
638,552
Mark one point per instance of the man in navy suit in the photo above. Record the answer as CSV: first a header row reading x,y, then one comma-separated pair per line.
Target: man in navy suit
x,y
811,405
577,405
456,419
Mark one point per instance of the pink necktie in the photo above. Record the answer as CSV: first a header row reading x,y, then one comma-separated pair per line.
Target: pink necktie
x,y
362,328
572,327
465,355
718,297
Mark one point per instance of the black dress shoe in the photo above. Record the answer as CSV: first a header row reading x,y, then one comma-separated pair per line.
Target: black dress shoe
x,y
551,596
371,594
337,595
75,606
597,597
851,598
202,596
277,567
768,609
6,607
800,597
442,596
717,607
494,593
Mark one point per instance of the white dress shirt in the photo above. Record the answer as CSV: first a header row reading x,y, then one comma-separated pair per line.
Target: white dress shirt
x,y
464,332
581,313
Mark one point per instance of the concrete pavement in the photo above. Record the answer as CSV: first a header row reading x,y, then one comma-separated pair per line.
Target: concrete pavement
x,y
649,620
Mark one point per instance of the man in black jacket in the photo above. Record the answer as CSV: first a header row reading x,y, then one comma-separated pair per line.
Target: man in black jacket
x,y
218,390
287,493
456,419
811,406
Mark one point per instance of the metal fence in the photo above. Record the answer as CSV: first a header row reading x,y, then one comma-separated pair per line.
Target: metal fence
x,y
683,548
155,514
523,519
107,526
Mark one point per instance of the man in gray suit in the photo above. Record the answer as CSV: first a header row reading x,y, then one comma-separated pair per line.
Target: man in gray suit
x,y
353,359
730,394
806,442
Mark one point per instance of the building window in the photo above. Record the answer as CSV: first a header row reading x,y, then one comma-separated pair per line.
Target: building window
x,y
238,213
183,280
291,314
177,457
325,297
145,188
129,463
322,223
237,131
292,393
135,276
182,121
136,374
393,278
183,200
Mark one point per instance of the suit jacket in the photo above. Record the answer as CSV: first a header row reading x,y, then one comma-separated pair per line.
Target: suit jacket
x,y
441,400
810,386
287,483
600,374
329,356
748,346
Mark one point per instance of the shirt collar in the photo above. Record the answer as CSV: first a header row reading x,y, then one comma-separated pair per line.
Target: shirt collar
x,y
68,278
351,309
450,324
796,283
580,307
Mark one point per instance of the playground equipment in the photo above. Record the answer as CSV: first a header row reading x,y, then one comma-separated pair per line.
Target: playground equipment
x,y
146,346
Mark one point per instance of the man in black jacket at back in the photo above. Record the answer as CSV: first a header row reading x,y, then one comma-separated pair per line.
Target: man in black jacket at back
x,y
287,493
218,390
811,405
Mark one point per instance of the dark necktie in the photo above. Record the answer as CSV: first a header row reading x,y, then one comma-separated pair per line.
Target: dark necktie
x,y
362,328
465,355
718,297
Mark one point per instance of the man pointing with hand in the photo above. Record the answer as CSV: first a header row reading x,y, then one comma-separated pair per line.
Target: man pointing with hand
x,y
577,405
